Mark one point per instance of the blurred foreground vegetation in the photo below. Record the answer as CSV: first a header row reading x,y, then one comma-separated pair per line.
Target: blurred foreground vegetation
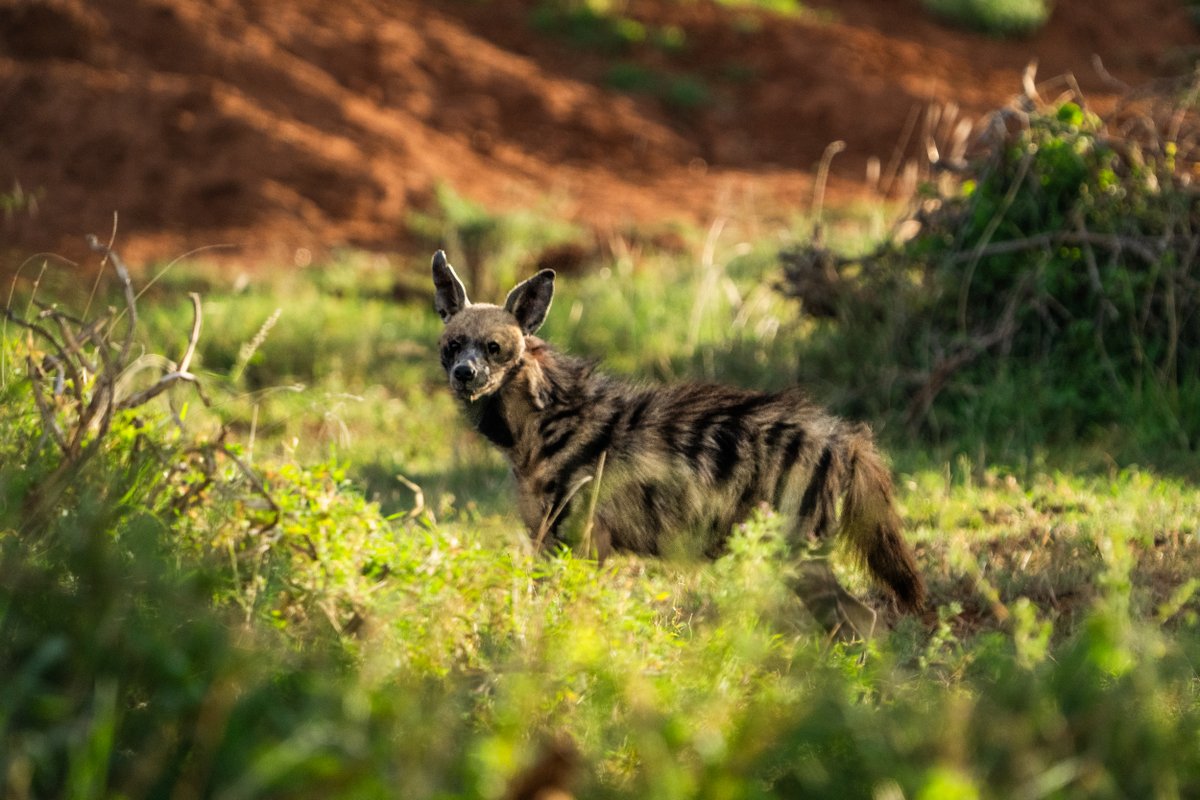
x,y
248,549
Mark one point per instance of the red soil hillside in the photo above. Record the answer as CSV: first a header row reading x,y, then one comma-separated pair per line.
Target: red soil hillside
x,y
281,124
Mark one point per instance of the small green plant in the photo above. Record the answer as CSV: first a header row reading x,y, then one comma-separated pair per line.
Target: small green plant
x,y
18,201
678,92
592,25
686,93
786,7
997,17
629,77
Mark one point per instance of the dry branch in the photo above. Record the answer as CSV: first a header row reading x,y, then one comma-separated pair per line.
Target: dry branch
x,y
86,366
178,373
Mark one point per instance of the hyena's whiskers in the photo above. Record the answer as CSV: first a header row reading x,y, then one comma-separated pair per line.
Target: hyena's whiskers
x,y
683,462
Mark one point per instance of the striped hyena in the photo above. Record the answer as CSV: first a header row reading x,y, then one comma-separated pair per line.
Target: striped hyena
x,y
676,466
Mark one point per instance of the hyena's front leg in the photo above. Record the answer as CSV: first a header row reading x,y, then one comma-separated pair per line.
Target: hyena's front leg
x,y
544,513
535,506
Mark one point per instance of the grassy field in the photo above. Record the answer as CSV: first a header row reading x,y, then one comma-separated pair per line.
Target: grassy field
x,y
310,582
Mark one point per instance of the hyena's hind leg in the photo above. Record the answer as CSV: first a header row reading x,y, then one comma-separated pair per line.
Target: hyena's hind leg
x,y
851,470
841,614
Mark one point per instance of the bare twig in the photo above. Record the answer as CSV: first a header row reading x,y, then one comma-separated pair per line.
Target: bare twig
x,y
1029,86
831,150
60,350
1106,76
49,423
186,361
151,392
12,288
126,286
1171,308
36,283
893,167
552,514
1049,240
1106,307
418,497
194,251
87,363
1086,239
72,343
260,489
179,373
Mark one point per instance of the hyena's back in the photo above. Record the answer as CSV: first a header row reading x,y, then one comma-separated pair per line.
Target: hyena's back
x,y
685,463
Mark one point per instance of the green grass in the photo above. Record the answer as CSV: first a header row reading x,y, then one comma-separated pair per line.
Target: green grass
x,y
177,628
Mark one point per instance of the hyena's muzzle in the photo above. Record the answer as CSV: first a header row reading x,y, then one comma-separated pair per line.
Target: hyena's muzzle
x,y
469,374
472,373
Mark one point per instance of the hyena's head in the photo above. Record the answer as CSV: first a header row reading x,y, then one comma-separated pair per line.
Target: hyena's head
x,y
482,343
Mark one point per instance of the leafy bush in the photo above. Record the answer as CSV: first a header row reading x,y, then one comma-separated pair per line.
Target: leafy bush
x,y
1049,292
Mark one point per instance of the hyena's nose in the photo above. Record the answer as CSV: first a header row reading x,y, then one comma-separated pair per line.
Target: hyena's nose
x,y
464,373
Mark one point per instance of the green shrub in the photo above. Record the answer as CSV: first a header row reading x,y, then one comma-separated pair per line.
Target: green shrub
x,y
1047,296
686,93
999,17
630,77
678,92
589,24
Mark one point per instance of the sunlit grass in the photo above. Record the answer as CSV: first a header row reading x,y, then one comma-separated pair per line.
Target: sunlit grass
x,y
380,625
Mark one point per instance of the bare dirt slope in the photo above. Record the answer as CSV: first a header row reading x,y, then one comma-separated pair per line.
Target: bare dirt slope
x,y
284,124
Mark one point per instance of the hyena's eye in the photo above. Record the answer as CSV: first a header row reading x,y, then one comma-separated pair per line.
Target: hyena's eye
x,y
493,348
452,348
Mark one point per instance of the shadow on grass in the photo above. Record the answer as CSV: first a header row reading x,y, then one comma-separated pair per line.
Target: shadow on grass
x,y
470,490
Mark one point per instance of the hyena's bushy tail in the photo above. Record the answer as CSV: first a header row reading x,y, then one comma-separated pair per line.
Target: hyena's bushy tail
x,y
870,524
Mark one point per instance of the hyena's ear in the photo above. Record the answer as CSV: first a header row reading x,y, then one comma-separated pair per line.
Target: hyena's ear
x,y
450,296
529,302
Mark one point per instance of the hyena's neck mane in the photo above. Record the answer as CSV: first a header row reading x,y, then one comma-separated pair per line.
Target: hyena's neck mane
x,y
542,383
552,377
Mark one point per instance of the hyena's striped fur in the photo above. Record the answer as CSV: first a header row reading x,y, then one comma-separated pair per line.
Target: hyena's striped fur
x,y
681,464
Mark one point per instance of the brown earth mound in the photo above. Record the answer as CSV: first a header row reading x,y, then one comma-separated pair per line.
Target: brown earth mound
x,y
277,125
